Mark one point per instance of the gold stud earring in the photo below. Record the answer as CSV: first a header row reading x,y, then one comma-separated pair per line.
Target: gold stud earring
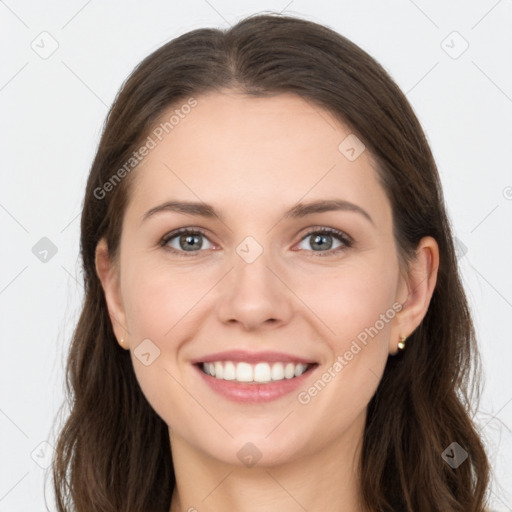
x,y
401,343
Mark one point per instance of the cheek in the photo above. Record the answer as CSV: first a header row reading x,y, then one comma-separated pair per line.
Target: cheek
x,y
159,307
355,307
160,299
351,300
350,303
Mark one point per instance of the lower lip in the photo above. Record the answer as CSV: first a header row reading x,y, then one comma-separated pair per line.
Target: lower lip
x,y
254,393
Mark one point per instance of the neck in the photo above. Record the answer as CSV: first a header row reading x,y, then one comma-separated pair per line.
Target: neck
x,y
325,480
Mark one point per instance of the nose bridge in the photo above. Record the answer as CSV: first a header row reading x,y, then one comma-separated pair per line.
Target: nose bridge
x,y
251,275
253,294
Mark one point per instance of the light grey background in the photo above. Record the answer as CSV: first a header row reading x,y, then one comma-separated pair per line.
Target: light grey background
x,y
52,111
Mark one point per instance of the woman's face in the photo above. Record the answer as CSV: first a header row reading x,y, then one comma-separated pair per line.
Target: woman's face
x,y
258,283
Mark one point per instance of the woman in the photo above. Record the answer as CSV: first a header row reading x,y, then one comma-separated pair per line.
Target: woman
x,y
273,315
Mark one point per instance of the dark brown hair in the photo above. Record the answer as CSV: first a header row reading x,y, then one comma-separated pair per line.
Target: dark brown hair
x,y
113,453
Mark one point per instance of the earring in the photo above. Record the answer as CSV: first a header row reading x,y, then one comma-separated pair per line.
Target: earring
x,y
122,340
401,343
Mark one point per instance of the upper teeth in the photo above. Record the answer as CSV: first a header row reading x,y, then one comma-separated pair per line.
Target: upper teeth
x,y
260,372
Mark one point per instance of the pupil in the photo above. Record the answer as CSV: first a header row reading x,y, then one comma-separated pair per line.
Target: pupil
x,y
188,242
321,238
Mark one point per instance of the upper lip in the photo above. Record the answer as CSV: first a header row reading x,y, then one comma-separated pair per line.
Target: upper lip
x,y
252,357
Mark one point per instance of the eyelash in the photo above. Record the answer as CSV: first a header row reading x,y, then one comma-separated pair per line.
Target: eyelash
x,y
342,237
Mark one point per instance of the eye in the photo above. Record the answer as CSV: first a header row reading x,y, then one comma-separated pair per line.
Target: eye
x,y
188,240
185,240
322,243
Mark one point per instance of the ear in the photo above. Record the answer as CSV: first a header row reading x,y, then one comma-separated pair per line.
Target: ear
x,y
109,275
415,291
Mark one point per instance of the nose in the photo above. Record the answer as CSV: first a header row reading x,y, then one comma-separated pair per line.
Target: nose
x,y
254,295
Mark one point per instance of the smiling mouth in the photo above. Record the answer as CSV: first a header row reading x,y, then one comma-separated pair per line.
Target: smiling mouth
x,y
259,373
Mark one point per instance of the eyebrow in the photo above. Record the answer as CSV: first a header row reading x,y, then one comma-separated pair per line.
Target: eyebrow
x,y
297,211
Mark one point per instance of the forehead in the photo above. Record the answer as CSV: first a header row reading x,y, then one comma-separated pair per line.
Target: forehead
x,y
246,153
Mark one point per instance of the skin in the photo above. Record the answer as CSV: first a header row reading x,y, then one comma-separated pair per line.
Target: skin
x,y
253,159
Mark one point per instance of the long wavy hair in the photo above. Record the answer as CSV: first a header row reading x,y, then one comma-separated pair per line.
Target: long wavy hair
x,y
113,452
